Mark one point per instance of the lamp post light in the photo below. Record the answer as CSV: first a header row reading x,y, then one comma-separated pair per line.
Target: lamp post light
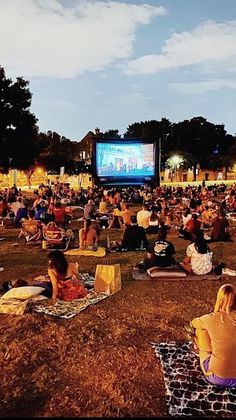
x,y
175,161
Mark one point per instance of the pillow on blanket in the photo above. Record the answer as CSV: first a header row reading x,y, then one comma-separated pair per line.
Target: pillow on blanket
x,y
166,272
23,293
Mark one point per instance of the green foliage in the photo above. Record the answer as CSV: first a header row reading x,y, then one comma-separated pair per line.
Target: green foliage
x,y
18,129
113,134
149,129
198,141
56,151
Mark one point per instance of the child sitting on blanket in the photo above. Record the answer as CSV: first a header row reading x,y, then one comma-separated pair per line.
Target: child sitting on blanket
x,y
215,339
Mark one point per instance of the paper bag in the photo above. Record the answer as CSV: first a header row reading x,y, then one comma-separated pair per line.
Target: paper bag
x,y
107,278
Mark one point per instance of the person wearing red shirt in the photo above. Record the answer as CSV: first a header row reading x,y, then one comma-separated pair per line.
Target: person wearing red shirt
x,y
192,226
58,213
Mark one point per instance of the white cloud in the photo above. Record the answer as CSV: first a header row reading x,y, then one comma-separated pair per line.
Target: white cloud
x,y
41,38
209,43
202,87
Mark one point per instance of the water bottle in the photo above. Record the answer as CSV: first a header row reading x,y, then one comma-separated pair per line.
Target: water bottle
x,y
108,243
142,245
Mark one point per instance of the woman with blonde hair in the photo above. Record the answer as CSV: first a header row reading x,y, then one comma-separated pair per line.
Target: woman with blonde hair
x,y
215,339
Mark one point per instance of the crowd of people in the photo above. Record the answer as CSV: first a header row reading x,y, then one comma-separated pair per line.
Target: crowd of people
x,y
195,214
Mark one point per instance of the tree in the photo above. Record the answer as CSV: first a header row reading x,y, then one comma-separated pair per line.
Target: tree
x,y
56,151
18,129
113,134
202,140
152,129
158,131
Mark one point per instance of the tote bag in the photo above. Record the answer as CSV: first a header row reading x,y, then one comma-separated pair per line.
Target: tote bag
x,y
107,278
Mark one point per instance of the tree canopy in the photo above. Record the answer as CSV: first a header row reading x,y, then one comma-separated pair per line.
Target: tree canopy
x,y
199,141
56,151
18,129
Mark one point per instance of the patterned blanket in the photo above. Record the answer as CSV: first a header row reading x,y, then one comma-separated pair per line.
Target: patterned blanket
x,y
67,310
188,392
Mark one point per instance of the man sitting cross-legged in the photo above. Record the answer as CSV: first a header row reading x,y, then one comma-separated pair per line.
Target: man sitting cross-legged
x,y
160,253
134,237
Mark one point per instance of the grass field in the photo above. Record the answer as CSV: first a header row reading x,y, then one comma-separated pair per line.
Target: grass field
x,y
100,363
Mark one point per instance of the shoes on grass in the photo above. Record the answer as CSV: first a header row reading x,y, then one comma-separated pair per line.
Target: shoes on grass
x,y
229,272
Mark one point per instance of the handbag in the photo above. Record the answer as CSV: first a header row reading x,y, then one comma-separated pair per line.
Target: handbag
x,y
107,278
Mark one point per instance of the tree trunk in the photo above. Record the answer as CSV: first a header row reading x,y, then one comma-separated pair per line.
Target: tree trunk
x,y
28,176
180,175
195,172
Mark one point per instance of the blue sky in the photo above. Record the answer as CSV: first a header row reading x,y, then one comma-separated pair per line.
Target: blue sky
x,y
112,63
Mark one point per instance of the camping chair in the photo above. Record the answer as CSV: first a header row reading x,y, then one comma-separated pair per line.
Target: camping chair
x,y
57,238
30,230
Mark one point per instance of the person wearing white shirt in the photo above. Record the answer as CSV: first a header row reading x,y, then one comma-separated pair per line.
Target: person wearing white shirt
x,y
198,259
143,216
17,205
186,216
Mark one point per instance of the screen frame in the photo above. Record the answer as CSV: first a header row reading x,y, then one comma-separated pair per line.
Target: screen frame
x,y
129,180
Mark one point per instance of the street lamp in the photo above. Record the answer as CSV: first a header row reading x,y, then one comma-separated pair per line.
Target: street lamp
x,y
175,161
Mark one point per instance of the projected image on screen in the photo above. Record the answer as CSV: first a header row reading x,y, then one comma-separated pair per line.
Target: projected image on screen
x,y
122,159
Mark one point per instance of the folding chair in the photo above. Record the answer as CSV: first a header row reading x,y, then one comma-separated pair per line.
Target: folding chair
x,y
57,238
30,230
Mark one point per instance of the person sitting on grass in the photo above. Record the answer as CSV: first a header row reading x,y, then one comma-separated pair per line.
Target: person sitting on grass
x,y
134,238
220,228
207,216
191,227
126,215
198,259
214,339
65,284
102,209
88,237
116,218
22,213
154,221
160,253
58,213
143,216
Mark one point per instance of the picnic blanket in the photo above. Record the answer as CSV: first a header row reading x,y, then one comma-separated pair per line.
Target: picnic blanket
x,y
101,252
67,310
188,392
137,275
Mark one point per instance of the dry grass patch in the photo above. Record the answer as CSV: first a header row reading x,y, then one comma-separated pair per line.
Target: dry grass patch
x,y
99,363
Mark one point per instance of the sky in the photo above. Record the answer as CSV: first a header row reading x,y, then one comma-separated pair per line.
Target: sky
x,y
109,64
